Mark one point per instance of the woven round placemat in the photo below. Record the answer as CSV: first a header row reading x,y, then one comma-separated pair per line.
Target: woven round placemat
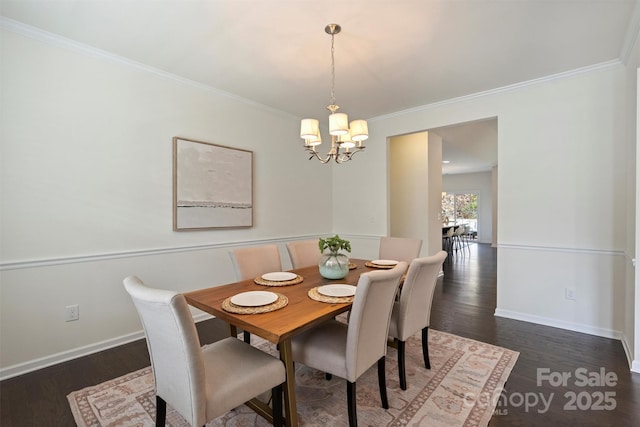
x,y
372,265
260,281
317,296
282,301
352,266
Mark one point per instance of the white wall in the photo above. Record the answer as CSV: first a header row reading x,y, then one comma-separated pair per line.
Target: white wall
x,y
434,209
561,193
415,183
479,183
86,189
494,205
631,332
409,185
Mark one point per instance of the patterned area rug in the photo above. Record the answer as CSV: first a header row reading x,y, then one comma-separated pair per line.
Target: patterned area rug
x,y
461,389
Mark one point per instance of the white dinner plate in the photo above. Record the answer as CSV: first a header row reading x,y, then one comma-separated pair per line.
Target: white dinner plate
x,y
384,262
337,290
279,276
254,298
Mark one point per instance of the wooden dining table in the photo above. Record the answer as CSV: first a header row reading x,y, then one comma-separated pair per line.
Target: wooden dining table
x,y
279,326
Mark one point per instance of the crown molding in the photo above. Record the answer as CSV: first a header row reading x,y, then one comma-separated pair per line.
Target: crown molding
x,y
631,37
510,88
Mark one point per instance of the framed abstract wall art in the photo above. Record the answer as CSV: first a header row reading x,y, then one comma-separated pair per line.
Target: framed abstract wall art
x,y
212,186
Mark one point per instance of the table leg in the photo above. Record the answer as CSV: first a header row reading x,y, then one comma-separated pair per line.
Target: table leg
x,y
233,331
290,408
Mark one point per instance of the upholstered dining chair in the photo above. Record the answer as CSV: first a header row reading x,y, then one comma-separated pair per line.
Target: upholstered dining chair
x,y
252,262
399,248
304,253
200,383
347,351
412,310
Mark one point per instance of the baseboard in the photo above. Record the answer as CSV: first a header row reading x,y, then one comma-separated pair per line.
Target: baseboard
x,y
627,351
54,359
635,366
556,323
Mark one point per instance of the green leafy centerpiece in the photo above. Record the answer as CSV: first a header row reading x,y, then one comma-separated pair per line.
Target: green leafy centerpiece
x,y
333,264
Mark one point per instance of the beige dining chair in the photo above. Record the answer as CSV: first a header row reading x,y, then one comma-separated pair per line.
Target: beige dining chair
x,y
304,253
251,262
399,248
200,383
347,351
412,310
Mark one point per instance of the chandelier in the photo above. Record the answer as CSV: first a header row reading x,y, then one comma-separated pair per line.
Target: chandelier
x,y
346,138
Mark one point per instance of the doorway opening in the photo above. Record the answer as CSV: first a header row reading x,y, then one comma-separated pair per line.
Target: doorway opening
x,y
461,209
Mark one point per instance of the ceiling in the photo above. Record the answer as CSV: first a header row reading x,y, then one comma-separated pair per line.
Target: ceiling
x,y
469,147
392,55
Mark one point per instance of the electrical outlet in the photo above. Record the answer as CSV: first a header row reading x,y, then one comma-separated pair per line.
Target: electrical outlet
x,y
570,294
73,313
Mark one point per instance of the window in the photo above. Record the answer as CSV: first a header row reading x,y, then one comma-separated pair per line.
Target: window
x,y
460,208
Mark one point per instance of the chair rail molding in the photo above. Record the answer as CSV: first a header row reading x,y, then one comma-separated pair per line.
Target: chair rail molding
x,y
615,252
46,262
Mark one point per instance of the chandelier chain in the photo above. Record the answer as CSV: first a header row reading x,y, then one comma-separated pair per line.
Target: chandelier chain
x,y
333,73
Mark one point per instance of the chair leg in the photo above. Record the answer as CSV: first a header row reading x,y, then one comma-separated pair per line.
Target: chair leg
x,y
247,337
425,347
382,383
161,411
401,365
351,404
276,399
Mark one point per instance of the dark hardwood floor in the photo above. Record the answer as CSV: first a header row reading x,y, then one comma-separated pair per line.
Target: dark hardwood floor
x,y
464,304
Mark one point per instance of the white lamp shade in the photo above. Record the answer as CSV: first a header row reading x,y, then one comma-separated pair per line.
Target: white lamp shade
x,y
338,124
359,130
309,128
345,141
316,140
